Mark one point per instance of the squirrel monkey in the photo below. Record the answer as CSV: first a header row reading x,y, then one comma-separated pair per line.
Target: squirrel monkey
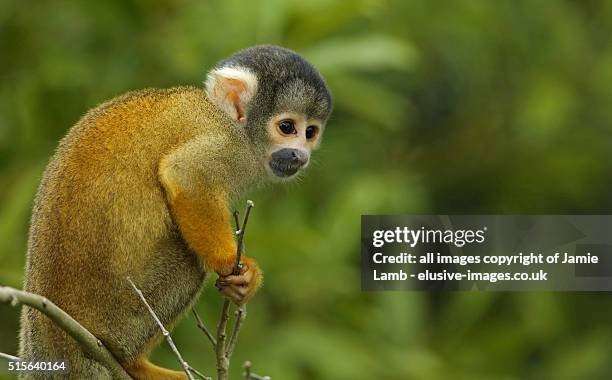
x,y
141,186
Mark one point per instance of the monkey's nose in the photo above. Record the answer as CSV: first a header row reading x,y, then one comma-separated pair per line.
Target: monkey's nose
x,y
293,156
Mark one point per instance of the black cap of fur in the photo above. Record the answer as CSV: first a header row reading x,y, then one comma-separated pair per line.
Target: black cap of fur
x,y
286,82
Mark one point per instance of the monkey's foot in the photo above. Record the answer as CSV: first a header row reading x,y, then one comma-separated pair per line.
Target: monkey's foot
x,y
145,370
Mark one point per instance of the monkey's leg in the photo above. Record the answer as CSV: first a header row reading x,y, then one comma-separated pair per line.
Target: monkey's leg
x,y
142,369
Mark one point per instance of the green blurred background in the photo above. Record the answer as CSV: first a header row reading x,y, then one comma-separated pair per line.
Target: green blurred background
x,y
441,107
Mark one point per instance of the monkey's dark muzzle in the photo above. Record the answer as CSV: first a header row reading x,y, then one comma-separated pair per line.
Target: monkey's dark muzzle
x,y
286,162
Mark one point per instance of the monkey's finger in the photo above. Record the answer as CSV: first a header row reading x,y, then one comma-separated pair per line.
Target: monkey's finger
x,y
236,280
247,276
231,293
221,284
242,290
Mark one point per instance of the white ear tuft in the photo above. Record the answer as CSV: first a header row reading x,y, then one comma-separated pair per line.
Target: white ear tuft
x,y
231,89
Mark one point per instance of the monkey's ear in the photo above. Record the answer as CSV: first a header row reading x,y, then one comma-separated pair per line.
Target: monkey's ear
x,y
231,89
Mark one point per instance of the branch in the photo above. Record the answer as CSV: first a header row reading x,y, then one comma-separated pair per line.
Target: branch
x,y
223,354
92,345
223,351
222,360
186,367
240,230
202,327
240,316
9,357
248,375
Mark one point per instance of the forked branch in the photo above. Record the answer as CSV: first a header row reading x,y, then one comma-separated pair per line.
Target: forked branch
x,y
222,347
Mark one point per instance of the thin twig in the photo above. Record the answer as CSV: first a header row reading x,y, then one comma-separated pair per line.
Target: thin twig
x,y
92,345
237,221
240,232
203,327
224,348
240,316
186,367
222,360
241,312
198,373
9,357
254,376
248,375
223,353
247,370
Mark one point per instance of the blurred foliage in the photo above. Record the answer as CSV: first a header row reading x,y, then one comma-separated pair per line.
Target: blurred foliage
x,y
469,106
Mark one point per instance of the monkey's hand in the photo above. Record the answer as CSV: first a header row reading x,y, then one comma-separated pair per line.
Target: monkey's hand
x,y
240,288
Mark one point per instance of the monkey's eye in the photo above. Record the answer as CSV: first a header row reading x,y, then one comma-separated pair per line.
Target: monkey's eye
x,y
287,127
311,132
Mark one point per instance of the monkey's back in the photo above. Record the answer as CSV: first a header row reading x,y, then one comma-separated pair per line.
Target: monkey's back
x,y
100,215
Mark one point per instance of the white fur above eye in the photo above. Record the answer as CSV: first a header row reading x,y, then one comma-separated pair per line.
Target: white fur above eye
x,y
231,89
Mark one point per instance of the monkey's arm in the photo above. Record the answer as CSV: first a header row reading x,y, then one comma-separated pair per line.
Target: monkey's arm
x,y
197,178
204,224
199,205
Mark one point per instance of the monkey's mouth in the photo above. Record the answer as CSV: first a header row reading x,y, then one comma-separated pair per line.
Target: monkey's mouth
x,y
284,169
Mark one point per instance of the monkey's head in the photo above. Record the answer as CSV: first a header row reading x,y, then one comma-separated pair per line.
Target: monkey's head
x,y
279,98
